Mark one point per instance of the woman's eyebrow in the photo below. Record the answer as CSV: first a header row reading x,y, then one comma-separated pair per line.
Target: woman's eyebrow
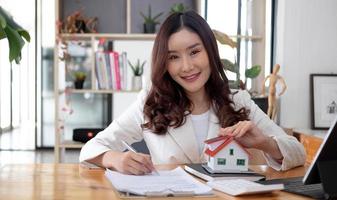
x,y
189,47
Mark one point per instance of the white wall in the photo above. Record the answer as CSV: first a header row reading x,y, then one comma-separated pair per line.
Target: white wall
x,y
141,50
306,43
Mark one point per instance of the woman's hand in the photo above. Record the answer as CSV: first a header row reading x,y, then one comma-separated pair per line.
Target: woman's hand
x,y
246,133
250,136
128,162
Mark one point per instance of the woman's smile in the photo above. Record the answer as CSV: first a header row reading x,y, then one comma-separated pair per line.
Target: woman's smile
x,y
192,77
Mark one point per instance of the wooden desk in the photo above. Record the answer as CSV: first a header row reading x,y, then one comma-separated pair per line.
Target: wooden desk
x,y
70,181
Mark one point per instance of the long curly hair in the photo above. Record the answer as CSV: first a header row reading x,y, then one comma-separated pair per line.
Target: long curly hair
x,y
167,104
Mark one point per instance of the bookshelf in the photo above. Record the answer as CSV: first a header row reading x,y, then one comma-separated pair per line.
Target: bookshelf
x,y
121,28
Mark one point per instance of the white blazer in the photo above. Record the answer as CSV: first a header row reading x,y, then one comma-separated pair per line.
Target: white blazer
x,y
179,145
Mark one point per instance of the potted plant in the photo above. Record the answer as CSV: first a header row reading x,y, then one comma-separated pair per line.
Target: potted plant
x,y
138,70
251,73
14,33
79,78
149,21
178,8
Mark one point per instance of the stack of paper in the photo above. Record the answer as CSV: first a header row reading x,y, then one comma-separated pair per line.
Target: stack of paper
x,y
168,183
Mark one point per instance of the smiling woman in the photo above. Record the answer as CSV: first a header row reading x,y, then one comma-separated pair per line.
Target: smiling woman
x,y
188,102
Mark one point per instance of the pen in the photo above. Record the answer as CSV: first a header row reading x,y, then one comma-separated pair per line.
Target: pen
x,y
130,148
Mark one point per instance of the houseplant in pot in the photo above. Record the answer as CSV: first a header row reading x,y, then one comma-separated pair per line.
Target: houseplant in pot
x,y
251,73
178,8
149,21
137,70
79,78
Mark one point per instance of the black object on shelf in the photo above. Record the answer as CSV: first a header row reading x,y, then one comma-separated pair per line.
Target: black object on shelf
x,y
85,134
262,103
79,84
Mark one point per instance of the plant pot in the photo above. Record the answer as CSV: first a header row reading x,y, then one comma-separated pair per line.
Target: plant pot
x,y
79,84
149,28
136,83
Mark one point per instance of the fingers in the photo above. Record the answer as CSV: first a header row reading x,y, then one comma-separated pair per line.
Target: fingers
x,y
145,160
238,130
137,163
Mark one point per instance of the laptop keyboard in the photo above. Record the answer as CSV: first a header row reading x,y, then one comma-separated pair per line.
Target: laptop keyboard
x,y
296,186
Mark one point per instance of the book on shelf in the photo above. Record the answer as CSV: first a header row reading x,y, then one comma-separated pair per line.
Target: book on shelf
x,y
111,70
200,171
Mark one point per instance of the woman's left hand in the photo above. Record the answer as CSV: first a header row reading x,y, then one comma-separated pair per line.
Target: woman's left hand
x,y
246,133
250,136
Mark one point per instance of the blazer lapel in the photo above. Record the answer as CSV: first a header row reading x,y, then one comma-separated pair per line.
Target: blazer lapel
x,y
214,126
213,130
184,137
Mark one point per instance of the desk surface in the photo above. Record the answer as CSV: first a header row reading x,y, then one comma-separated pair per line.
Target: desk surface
x,y
71,181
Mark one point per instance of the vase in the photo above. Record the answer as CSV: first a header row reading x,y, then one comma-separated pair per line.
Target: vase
x,y
136,83
79,84
149,28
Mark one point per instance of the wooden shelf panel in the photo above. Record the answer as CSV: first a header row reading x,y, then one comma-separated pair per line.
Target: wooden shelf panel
x,y
246,37
71,144
82,91
112,36
133,36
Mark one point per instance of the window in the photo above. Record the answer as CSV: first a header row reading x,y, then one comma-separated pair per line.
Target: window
x,y
240,162
18,82
249,19
231,152
221,161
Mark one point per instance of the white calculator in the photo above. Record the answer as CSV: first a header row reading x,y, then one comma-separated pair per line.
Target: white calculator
x,y
237,187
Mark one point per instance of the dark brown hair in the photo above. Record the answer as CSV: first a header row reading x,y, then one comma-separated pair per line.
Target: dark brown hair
x,y
167,104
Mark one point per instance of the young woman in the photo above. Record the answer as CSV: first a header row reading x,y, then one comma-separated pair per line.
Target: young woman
x,y
188,102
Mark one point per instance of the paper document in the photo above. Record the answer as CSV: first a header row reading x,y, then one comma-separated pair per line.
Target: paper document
x,y
174,182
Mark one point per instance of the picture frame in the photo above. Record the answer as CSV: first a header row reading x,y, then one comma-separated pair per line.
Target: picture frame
x,y
323,97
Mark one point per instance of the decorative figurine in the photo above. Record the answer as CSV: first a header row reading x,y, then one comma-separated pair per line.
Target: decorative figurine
x,y
274,78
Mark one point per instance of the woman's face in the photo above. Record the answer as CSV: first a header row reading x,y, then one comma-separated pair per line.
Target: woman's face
x,y
188,62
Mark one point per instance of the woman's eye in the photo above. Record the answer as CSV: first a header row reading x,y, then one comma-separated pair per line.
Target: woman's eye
x,y
172,57
195,52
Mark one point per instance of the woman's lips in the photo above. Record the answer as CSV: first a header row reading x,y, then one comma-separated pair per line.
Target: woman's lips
x,y
191,78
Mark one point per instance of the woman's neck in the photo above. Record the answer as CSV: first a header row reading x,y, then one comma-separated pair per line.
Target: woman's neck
x,y
201,102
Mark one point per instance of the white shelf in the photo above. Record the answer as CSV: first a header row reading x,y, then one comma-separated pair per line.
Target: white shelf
x,y
82,91
246,37
71,144
112,36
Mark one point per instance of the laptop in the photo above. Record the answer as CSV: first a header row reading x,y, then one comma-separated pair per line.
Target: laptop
x,y
324,166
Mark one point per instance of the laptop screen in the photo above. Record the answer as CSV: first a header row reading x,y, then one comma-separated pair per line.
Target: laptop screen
x,y
326,152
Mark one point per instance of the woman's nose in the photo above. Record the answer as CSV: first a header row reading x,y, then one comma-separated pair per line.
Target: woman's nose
x,y
186,64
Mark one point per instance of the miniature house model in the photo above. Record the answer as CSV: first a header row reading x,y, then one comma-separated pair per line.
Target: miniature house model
x,y
226,154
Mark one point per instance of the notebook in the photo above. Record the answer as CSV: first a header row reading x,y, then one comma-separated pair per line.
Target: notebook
x,y
168,183
199,171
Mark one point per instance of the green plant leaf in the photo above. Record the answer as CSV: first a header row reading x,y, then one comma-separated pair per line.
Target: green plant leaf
x,y
14,33
3,22
137,68
253,72
15,43
228,65
149,19
24,34
2,33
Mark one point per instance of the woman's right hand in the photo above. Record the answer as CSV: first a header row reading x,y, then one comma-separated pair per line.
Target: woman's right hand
x,y
129,162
